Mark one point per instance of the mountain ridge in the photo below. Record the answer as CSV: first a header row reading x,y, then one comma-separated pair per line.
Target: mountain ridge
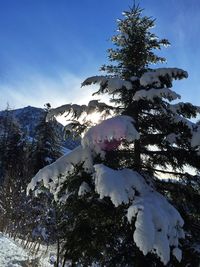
x,y
29,118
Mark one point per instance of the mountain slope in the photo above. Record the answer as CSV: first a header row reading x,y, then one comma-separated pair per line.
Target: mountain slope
x,y
28,119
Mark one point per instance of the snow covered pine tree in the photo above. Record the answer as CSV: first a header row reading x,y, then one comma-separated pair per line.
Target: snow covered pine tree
x,y
109,184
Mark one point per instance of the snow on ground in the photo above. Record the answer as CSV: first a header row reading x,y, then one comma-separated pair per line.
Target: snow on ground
x,y
13,255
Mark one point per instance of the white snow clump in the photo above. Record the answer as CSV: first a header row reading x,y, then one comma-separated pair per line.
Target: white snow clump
x,y
116,128
83,189
62,166
152,93
108,83
158,225
153,77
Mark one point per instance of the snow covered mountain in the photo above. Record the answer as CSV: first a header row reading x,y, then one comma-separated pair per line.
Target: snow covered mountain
x,y
29,118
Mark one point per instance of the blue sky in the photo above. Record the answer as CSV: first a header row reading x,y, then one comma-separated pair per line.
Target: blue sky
x,y
48,47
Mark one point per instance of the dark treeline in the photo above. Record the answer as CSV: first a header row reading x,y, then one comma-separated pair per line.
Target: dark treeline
x,y
32,219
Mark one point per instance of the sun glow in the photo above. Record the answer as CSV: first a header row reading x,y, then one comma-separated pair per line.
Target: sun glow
x,y
92,118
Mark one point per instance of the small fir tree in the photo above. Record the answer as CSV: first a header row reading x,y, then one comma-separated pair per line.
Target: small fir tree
x,y
47,147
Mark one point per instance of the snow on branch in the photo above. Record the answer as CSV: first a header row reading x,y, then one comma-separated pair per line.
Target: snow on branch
x,y
84,189
62,166
117,128
162,76
193,127
195,140
77,110
158,225
184,108
177,111
108,84
153,93
119,185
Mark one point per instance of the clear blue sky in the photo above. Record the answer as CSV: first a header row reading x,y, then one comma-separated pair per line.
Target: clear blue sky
x,y
47,47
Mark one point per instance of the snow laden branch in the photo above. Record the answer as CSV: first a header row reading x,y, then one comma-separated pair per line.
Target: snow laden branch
x,y
157,79
186,109
178,111
194,128
118,128
157,83
108,84
153,93
95,141
76,111
158,225
178,118
162,77
50,174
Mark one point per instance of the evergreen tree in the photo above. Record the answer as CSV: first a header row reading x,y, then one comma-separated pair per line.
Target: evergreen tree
x,y
10,136
46,145
14,174
46,149
108,186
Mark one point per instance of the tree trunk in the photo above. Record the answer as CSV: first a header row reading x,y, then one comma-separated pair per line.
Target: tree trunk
x,y
58,252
